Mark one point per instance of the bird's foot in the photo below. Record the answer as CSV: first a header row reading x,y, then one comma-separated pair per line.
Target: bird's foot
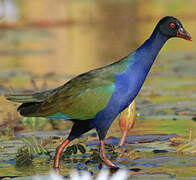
x,y
104,157
108,162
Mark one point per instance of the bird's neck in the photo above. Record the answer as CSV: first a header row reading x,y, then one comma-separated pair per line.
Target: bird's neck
x,y
149,50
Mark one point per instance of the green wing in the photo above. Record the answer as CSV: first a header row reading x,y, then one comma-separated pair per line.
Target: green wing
x,y
81,98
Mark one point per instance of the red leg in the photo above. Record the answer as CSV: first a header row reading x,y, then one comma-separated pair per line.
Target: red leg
x,y
59,152
104,157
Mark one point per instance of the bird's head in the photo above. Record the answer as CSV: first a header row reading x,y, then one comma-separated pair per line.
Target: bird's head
x,y
172,27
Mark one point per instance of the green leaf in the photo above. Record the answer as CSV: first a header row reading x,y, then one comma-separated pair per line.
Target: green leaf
x,y
81,148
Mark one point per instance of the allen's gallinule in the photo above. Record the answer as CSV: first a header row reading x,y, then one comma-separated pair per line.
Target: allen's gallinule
x,y
95,98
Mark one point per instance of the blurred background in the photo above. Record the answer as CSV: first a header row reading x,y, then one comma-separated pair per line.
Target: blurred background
x,y
45,43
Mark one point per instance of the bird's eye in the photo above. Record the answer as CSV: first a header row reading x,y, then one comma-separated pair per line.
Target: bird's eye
x,y
172,25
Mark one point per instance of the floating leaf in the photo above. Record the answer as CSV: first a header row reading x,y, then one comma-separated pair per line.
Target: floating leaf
x,y
35,146
74,149
81,148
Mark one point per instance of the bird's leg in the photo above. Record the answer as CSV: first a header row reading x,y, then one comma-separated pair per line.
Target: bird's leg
x,y
104,157
126,121
77,130
59,152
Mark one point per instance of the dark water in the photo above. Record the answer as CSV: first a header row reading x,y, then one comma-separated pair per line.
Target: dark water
x,y
42,50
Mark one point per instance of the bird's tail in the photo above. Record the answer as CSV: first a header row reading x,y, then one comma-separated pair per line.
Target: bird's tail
x,y
30,103
29,109
22,98
34,97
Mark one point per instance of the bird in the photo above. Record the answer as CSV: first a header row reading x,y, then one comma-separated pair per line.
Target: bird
x,y
93,100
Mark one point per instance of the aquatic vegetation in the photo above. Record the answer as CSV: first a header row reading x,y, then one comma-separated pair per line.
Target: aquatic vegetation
x,y
33,148
34,123
24,157
184,145
74,149
92,152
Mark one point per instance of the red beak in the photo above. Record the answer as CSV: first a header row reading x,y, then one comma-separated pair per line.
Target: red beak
x,y
183,34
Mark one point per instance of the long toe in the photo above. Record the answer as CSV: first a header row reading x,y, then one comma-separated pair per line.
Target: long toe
x,y
107,161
